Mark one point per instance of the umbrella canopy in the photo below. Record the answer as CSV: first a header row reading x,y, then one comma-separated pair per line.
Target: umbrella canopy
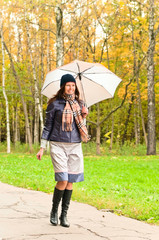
x,y
94,81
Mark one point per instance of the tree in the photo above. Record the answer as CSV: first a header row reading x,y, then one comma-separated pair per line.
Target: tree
x,y
59,34
22,97
151,146
36,90
136,73
4,92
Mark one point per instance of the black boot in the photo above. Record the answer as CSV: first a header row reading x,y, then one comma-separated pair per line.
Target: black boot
x,y
65,205
55,203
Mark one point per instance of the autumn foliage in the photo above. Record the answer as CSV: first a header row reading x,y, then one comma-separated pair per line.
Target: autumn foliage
x,y
114,33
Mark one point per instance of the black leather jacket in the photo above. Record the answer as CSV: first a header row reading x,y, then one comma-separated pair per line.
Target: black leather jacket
x,y
52,130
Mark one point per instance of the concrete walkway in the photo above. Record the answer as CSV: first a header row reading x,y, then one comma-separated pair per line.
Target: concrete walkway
x,y
24,215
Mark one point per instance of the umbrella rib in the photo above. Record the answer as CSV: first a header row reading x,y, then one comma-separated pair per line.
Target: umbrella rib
x,y
49,84
81,84
78,67
83,70
101,73
87,69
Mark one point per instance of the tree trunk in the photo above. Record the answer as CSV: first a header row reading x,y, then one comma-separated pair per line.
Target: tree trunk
x,y
36,94
138,86
48,47
32,118
26,136
13,121
127,120
112,133
22,98
36,126
17,132
59,35
98,131
136,73
151,146
141,112
136,125
42,76
4,93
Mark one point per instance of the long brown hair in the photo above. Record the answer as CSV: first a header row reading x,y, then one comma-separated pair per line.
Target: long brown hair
x,y
60,93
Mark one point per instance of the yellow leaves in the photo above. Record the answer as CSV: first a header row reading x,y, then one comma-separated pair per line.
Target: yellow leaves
x,y
108,141
121,92
142,21
121,3
107,135
44,19
118,136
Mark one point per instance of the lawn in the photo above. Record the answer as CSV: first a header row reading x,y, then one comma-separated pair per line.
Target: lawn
x,y
126,185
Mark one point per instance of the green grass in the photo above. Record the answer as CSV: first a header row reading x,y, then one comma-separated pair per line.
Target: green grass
x,y
128,185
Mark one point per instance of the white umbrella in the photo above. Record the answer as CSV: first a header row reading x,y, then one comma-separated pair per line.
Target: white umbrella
x,y
94,81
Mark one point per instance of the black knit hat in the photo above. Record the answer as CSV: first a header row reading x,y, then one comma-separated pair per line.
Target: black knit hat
x,y
67,78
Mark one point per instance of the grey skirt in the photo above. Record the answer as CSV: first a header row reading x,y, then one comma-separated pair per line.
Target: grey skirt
x,y
67,159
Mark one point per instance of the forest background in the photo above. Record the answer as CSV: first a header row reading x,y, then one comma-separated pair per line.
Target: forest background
x,y
38,36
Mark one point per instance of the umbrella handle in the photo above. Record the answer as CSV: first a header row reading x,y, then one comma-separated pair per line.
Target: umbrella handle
x,y
79,75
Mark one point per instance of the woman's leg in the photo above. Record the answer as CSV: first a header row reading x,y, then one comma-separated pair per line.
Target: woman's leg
x,y
61,185
58,195
65,204
69,186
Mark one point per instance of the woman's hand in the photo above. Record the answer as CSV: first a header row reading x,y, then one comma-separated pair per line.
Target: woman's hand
x,y
84,111
40,153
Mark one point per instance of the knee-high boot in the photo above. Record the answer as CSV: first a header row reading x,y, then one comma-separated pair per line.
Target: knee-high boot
x,y
65,205
55,203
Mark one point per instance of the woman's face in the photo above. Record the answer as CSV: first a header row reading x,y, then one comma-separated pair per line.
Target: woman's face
x,y
70,88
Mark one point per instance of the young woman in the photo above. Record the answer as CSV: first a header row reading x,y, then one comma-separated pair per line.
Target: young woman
x,y
64,128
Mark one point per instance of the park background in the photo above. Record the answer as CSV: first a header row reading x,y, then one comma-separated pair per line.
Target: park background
x,y
38,36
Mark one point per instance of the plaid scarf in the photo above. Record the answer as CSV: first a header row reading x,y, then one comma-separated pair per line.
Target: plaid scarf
x,y
72,109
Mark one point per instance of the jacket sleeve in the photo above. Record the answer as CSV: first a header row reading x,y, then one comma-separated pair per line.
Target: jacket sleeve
x,y
49,119
43,143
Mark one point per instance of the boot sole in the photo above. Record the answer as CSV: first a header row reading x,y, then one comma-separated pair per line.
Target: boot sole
x,y
65,226
55,224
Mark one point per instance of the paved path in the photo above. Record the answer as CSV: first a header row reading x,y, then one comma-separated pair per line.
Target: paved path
x,y
24,215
